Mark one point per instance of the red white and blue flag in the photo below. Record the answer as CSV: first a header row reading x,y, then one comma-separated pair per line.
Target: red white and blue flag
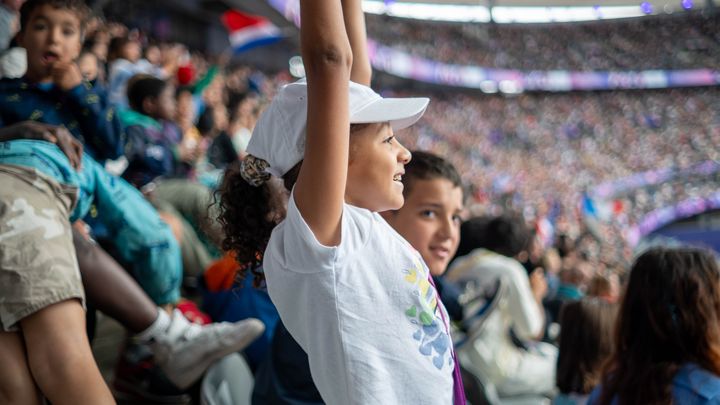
x,y
249,31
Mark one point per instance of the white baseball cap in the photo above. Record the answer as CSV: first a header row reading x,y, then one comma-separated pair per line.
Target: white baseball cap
x,y
279,135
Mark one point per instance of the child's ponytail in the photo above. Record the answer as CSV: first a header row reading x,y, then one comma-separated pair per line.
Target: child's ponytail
x,y
247,212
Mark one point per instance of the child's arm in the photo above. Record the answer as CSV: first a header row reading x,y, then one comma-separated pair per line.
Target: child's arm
x,y
320,189
355,26
99,125
71,147
98,122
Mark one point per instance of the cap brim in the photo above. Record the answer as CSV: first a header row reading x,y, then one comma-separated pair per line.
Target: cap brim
x,y
399,112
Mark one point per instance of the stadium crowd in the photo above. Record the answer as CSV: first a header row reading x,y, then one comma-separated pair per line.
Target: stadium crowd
x,y
544,256
584,139
658,42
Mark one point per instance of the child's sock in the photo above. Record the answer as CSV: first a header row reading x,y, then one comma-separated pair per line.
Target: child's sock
x,y
158,327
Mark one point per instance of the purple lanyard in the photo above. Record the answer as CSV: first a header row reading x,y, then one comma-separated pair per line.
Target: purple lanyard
x,y
458,389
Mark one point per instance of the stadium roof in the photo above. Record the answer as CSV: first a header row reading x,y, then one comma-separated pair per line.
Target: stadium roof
x,y
562,3
530,11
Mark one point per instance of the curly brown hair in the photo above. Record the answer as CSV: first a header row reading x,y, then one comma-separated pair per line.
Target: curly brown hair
x,y
248,215
669,316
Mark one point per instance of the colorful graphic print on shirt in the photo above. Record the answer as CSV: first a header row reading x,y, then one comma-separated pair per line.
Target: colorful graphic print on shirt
x,y
431,333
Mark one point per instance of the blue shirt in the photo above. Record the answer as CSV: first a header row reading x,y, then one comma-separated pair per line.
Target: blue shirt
x,y
692,385
82,110
150,148
49,160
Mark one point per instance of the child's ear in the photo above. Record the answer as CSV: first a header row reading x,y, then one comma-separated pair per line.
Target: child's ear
x,y
20,38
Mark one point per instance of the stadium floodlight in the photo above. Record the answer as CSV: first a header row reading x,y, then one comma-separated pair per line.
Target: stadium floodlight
x,y
510,87
499,14
427,11
489,86
477,13
297,68
537,15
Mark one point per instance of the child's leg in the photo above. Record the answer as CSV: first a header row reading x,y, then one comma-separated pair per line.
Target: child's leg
x,y
111,288
60,358
17,386
141,237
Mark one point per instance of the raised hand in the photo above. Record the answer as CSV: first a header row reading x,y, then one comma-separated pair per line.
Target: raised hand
x,y
66,75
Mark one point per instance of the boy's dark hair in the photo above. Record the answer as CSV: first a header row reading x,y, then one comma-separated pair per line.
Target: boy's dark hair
x,y
426,166
506,235
116,46
143,86
81,10
471,235
206,121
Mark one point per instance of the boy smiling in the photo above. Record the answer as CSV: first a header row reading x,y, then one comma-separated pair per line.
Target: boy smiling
x,y
430,218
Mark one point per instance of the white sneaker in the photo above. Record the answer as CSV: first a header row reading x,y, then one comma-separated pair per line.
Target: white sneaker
x,y
188,349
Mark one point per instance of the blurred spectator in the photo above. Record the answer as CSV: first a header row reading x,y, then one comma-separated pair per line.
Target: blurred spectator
x,y
586,342
557,146
9,21
510,368
604,286
667,346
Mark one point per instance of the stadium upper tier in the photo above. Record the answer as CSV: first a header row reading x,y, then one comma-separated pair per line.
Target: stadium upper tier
x,y
664,42
536,153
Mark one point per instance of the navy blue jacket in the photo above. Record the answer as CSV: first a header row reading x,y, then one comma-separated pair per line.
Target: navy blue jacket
x,y
82,110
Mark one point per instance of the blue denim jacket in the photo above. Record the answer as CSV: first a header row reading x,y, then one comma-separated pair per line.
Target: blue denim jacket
x,y
49,160
692,385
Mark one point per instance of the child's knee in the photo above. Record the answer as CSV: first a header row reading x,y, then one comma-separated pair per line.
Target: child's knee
x,y
16,391
16,383
56,341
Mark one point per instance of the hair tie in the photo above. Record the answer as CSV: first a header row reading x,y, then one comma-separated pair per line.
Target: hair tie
x,y
252,169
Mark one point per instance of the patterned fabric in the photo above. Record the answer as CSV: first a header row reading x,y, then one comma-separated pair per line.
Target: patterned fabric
x,y
253,171
81,110
38,266
142,239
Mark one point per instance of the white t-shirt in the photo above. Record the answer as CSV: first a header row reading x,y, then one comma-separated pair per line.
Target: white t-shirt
x,y
364,311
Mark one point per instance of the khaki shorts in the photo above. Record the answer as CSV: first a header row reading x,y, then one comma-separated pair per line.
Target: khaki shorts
x,y
38,266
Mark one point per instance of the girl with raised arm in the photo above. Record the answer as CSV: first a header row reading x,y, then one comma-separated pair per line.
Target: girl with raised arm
x,y
354,294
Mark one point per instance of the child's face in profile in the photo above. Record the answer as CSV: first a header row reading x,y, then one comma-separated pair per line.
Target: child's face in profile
x,y
166,104
377,163
88,65
51,36
430,221
184,109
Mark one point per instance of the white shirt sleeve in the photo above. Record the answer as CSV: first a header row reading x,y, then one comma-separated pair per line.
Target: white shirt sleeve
x,y
308,254
524,310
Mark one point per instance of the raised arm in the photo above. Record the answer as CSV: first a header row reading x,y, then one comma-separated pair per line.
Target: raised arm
x,y
320,189
355,26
